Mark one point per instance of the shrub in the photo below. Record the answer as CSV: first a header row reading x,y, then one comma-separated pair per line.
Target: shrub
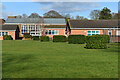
x,y
76,39
44,38
35,38
59,38
97,42
27,35
7,37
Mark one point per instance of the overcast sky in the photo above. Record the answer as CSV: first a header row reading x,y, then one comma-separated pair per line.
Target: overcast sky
x,y
73,8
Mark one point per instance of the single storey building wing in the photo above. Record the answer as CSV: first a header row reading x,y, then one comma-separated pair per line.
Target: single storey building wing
x,y
34,26
94,27
12,30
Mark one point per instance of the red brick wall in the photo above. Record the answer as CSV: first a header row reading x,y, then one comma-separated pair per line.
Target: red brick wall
x,y
61,32
82,31
12,33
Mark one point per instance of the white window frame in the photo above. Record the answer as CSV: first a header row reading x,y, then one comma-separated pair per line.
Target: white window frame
x,y
92,33
109,31
51,32
4,33
117,32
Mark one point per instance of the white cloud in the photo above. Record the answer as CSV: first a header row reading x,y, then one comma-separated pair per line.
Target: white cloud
x,y
75,0
5,14
69,7
59,0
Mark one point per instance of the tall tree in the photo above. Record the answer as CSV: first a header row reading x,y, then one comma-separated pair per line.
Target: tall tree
x,y
105,13
24,15
67,15
34,15
53,14
95,14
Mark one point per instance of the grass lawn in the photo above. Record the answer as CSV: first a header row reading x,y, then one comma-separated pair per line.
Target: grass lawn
x,y
34,59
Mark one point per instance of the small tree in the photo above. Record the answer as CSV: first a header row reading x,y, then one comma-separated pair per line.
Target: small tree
x,y
105,13
95,14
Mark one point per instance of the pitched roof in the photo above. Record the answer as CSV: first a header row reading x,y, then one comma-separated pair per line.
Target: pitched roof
x,y
37,20
8,27
93,23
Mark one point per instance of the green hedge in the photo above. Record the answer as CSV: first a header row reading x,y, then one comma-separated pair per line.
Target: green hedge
x,y
59,38
27,35
97,42
7,37
44,38
76,39
35,38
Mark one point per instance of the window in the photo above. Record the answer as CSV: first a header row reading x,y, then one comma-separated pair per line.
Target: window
x,y
51,32
110,32
118,32
92,32
3,33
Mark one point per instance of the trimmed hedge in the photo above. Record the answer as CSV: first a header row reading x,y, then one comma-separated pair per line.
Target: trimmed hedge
x,y
76,39
44,38
59,38
97,42
7,37
35,38
27,35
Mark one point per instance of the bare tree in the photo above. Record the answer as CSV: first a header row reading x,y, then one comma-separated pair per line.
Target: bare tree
x,y
95,14
24,15
81,18
67,15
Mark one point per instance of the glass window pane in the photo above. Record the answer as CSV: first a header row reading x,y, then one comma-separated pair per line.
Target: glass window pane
x,y
53,32
93,31
97,31
2,33
88,31
89,34
49,31
97,34
56,31
46,32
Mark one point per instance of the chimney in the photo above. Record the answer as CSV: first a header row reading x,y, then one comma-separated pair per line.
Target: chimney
x,y
11,16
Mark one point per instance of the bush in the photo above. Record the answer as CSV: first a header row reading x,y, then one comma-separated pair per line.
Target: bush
x,y
27,35
44,38
76,39
7,37
59,38
35,38
97,42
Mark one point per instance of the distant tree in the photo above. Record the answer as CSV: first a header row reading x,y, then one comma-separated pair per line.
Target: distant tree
x,y
105,13
19,16
67,16
34,15
95,14
24,15
72,17
52,14
81,18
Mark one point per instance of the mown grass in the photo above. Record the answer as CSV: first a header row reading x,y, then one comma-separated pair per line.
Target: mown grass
x,y
34,59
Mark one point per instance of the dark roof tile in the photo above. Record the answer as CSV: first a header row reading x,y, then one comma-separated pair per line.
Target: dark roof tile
x,y
93,23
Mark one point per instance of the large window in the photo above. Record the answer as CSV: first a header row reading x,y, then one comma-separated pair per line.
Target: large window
x,y
3,33
93,32
110,32
51,32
